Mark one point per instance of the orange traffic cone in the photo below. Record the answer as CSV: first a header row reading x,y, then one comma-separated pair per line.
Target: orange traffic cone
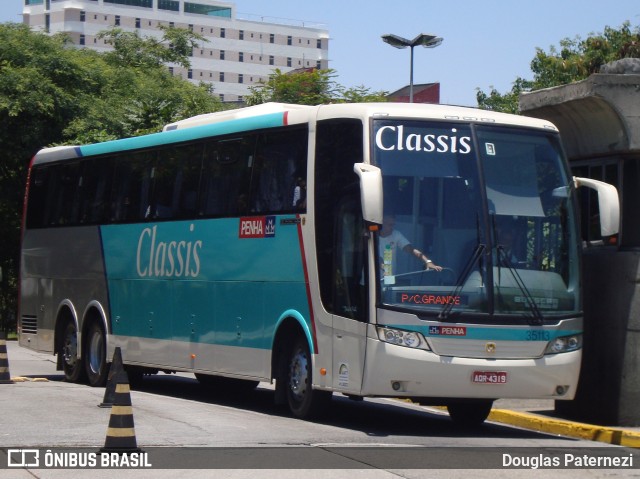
x,y
114,370
121,434
5,377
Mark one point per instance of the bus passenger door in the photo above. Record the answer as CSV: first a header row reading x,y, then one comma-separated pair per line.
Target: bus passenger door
x,y
349,297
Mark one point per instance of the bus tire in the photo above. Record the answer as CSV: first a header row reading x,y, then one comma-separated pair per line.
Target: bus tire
x,y
95,356
470,413
69,347
304,402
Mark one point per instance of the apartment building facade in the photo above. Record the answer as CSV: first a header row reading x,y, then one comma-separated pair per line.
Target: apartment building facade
x,y
238,51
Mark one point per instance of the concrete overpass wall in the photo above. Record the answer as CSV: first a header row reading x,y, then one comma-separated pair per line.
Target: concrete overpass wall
x,y
599,120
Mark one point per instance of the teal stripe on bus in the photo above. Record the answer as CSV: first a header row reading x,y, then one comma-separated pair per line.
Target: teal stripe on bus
x,y
455,331
203,281
271,120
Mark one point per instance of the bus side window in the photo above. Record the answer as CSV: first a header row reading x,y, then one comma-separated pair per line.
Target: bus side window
x,y
95,185
38,206
350,261
64,208
176,175
130,197
225,177
279,168
339,144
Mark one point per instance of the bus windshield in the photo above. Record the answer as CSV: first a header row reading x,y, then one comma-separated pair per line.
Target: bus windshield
x,y
477,220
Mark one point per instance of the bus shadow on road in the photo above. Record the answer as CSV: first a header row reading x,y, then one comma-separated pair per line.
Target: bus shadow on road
x,y
373,417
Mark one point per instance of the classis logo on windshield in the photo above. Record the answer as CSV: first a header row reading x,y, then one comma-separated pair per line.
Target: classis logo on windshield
x,y
394,138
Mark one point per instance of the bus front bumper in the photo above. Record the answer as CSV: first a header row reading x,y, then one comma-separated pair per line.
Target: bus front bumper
x,y
398,371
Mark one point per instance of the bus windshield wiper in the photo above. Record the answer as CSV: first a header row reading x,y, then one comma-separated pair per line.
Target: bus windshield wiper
x,y
504,260
468,267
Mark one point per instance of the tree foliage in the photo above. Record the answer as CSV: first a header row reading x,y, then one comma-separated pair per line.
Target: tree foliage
x,y
309,87
132,50
52,93
574,60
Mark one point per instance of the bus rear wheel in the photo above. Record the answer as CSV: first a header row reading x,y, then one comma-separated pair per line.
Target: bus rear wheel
x,y
71,363
303,400
95,357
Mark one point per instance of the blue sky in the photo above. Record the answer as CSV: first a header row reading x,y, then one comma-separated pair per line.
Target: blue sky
x,y
486,43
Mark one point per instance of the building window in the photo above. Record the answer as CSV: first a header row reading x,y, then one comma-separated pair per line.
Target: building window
x,y
172,24
221,78
319,65
240,98
288,61
137,23
223,33
272,38
241,35
170,70
172,5
209,10
318,43
272,60
190,73
47,22
133,3
240,78
240,57
221,54
222,97
83,15
117,21
82,39
289,40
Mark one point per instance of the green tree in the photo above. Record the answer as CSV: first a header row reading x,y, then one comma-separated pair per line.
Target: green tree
x,y
574,60
52,93
132,50
361,94
309,87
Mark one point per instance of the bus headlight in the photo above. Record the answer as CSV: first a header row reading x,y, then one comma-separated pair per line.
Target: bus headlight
x,y
564,344
410,339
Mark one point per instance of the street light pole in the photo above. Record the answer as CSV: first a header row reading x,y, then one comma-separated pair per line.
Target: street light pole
x,y
424,39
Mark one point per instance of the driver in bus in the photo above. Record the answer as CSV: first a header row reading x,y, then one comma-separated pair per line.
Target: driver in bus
x,y
391,241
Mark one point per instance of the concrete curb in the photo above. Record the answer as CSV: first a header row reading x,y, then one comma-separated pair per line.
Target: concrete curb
x,y
535,422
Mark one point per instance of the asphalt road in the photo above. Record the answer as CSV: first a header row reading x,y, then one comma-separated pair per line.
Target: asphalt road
x,y
181,425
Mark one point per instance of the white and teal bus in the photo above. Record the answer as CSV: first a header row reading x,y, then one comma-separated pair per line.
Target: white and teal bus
x,y
245,246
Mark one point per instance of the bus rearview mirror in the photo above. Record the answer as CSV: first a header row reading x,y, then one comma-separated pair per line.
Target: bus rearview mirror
x,y
370,191
608,203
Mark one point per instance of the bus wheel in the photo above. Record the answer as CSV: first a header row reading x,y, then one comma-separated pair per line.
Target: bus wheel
x,y
71,364
470,413
95,357
303,400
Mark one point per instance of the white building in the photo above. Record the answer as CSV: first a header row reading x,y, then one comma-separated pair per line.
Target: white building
x,y
238,53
